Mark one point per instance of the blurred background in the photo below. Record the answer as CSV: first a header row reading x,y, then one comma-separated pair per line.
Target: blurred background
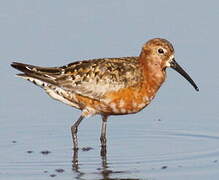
x,y
178,130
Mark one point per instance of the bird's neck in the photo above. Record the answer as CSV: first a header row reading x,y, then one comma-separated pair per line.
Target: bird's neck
x,y
153,74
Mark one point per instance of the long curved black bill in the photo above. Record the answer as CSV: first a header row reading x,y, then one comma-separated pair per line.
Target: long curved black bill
x,y
177,67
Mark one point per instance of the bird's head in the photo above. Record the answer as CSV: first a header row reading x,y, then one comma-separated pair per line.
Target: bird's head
x,y
159,55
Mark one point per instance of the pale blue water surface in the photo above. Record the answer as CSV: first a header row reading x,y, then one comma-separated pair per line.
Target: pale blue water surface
x,y
176,137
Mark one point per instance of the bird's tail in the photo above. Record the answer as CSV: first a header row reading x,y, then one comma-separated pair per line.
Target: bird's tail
x,y
40,76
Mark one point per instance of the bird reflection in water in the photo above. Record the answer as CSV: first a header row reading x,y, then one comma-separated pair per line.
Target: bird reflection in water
x,y
103,171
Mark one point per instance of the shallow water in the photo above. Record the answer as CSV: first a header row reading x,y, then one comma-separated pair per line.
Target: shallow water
x,y
134,151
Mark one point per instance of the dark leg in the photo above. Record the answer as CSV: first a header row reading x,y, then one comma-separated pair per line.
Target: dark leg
x,y
103,135
74,130
103,131
75,161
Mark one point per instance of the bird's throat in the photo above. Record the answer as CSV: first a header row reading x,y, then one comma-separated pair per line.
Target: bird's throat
x,y
154,76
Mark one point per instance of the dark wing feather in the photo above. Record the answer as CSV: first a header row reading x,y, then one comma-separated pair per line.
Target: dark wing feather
x,y
93,78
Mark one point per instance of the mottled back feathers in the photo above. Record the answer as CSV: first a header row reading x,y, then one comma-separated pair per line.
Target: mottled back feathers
x,y
91,78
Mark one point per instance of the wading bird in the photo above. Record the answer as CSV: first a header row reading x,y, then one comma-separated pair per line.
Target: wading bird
x,y
107,86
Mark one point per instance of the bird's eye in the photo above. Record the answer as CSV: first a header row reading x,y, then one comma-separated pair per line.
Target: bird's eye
x,y
160,51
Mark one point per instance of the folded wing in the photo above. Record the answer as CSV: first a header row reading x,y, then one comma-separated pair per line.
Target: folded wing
x,y
91,78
